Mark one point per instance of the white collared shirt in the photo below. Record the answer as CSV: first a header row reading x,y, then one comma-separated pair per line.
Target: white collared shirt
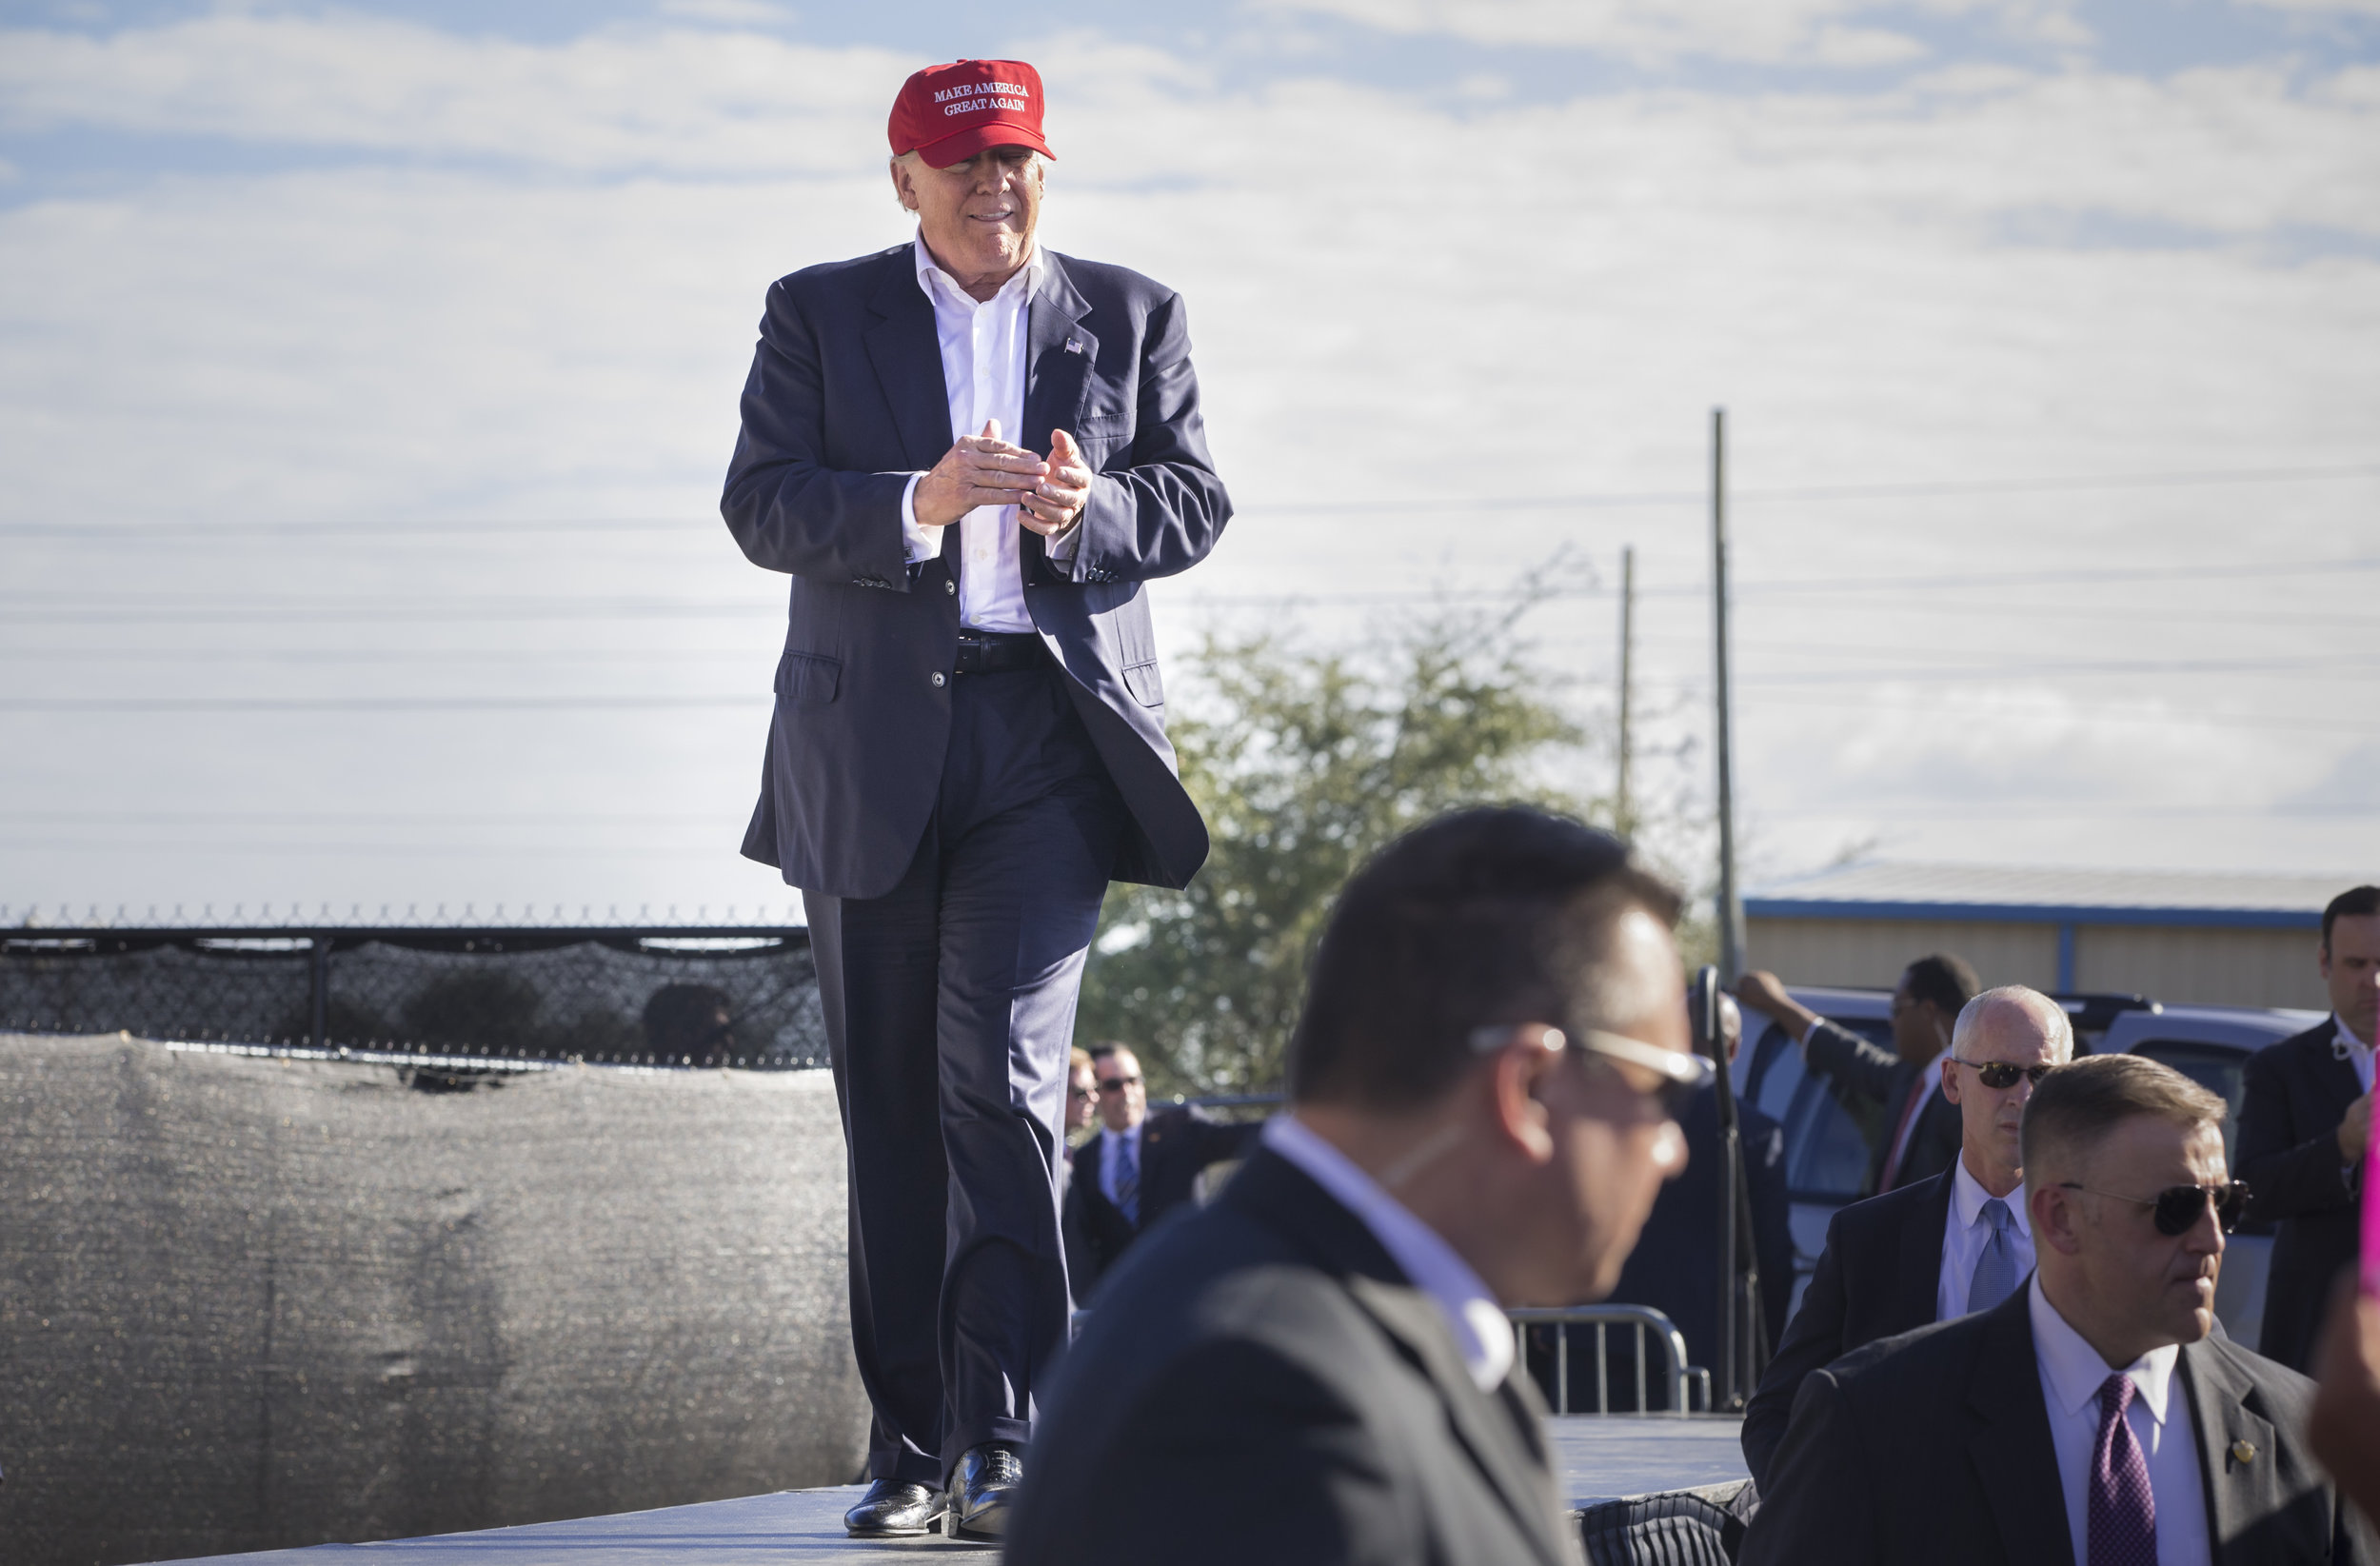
x,y
1109,1143
983,369
2358,1050
1966,1233
1914,1111
1483,1333
2072,1371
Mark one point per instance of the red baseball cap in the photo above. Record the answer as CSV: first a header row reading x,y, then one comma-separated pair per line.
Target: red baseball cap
x,y
948,114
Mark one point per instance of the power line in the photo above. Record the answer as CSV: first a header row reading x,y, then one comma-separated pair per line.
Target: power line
x,y
1383,506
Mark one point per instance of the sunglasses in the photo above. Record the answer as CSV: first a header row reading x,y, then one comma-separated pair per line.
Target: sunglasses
x,y
2179,1207
1682,1076
1117,1084
2000,1074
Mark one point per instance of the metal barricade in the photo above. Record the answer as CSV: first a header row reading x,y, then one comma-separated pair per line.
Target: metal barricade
x,y
1643,1321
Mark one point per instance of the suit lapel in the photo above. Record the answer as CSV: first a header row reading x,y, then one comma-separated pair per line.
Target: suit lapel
x,y
2015,1462
2237,1493
907,358
1920,1282
1486,1428
1059,353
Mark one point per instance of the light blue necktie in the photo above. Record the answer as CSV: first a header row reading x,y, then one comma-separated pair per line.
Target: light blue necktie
x,y
1996,1269
1128,1180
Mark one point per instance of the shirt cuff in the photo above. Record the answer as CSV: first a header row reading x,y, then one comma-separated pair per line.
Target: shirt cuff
x,y
1063,548
918,542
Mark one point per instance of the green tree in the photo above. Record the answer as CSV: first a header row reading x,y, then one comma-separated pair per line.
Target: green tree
x,y
1304,761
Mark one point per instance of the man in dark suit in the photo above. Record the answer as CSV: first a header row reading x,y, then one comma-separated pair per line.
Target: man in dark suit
x,y
2305,1126
968,741
1675,1268
1958,1243
1140,1167
2090,1418
1912,1131
1317,1367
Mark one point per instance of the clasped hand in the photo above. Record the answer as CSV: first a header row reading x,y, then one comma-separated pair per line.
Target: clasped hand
x,y
985,470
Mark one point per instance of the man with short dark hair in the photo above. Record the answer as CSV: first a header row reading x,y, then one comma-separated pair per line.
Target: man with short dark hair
x,y
1140,1167
1912,1131
2305,1126
968,452
1931,1252
1318,1367
2093,1419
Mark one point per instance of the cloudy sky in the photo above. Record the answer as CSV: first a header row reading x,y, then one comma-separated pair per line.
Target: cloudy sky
x,y
367,374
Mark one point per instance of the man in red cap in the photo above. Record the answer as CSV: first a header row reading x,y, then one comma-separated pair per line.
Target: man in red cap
x,y
968,454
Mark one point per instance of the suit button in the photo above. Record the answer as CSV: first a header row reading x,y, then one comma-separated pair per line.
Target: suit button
x,y
938,680
950,586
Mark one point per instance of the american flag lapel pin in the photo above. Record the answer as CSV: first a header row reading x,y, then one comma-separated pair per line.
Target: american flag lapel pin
x,y
1074,345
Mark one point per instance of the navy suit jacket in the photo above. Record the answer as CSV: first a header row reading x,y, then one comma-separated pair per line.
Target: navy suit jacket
x,y
1175,1145
844,401
1934,1446
1260,1383
2297,1092
1879,1275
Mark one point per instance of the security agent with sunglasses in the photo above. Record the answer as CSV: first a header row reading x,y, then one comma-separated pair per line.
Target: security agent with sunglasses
x,y
1316,1366
1138,1168
1957,1243
2092,1418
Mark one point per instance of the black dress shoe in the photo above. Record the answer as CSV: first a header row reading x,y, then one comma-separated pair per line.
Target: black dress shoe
x,y
983,1488
894,1509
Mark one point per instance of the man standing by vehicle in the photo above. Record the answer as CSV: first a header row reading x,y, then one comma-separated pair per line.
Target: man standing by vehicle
x,y
968,741
2305,1126
1958,1243
1912,1131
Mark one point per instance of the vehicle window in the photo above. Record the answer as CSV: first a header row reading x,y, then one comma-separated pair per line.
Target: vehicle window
x,y
1828,1157
2218,1068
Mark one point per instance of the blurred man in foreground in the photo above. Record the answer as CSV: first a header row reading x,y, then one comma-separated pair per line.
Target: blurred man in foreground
x,y
1958,1243
2090,1419
2306,1124
1318,1367
1912,1131
1140,1167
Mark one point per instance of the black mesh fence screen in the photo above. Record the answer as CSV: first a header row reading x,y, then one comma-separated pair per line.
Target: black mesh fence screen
x,y
713,997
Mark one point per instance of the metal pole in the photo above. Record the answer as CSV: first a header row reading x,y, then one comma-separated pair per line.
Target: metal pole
x,y
1713,1042
318,987
1731,906
1623,809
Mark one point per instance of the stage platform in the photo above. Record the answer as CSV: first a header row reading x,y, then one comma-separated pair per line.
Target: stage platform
x,y
1599,1459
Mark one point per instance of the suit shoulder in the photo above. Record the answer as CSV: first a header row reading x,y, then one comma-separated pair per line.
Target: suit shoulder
x,y
2314,1043
1102,277
1938,1350
1877,1215
2287,1396
832,280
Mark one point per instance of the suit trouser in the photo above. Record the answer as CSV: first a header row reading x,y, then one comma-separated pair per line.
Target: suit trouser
x,y
949,1007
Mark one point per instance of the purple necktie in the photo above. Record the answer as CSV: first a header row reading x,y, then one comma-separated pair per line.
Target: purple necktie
x,y
2121,1527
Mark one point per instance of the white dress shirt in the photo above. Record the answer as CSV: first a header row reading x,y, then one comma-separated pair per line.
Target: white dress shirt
x,y
1109,1142
2160,1420
1481,1331
1966,1233
983,352
2358,1050
1914,1111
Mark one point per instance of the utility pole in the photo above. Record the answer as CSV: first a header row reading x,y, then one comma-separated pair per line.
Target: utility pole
x,y
1624,808
1730,902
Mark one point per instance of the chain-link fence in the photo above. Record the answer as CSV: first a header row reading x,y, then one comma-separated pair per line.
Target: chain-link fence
x,y
495,998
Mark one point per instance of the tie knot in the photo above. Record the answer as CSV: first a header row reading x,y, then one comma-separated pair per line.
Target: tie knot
x,y
2116,1396
1996,1213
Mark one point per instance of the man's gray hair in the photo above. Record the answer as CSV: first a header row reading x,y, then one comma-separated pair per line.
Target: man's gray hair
x,y
2055,1024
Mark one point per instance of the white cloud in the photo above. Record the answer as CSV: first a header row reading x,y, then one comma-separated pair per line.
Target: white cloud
x,y
1515,298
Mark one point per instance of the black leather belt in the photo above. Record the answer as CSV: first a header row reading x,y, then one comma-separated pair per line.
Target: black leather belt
x,y
1000,653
